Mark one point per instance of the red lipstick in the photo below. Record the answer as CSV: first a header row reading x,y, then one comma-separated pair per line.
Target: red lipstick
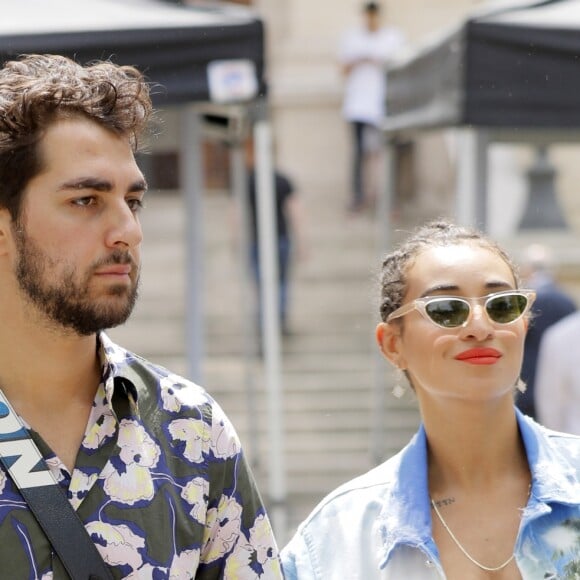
x,y
479,356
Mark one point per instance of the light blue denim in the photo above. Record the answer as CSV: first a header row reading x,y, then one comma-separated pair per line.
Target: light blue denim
x,y
378,526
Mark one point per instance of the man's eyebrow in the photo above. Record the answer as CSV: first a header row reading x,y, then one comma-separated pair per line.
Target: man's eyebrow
x,y
139,185
99,184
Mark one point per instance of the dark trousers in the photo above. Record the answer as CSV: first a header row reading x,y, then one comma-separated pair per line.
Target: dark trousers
x,y
284,251
358,156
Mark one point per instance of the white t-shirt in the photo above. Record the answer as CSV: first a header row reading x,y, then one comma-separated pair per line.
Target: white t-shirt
x,y
364,98
557,387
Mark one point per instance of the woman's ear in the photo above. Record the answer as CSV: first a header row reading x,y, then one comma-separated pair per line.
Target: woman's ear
x,y
389,340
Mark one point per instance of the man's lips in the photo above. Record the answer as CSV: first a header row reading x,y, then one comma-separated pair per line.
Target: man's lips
x,y
115,270
479,356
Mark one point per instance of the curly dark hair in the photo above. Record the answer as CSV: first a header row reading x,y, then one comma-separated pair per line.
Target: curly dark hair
x,y
35,90
393,276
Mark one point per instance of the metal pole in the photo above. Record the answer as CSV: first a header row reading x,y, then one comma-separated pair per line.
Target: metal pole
x,y
472,166
384,223
191,182
267,244
240,192
481,178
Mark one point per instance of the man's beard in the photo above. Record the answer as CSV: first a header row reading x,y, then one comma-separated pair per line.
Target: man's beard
x,y
68,302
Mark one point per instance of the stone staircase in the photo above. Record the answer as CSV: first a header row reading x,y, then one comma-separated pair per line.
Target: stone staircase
x,y
330,364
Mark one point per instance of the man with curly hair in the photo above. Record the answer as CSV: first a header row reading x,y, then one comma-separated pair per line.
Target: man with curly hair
x,y
148,460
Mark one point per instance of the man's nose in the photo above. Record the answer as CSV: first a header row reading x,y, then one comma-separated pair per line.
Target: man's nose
x,y
124,227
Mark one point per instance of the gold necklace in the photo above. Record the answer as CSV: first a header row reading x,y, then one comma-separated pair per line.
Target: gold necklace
x,y
467,555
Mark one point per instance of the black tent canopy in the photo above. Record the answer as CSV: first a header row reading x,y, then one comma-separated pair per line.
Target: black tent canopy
x,y
172,44
515,66
508,73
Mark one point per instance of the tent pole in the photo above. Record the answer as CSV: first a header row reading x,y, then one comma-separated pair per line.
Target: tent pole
x,y
481,178
268,259
472,180
239,186
191,181
385,225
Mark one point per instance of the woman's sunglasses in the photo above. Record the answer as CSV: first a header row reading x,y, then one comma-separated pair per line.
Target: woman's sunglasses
x,y
455,311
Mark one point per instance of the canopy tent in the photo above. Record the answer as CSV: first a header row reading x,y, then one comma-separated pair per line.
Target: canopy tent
x,y
517,67
176,45
509,73
171,44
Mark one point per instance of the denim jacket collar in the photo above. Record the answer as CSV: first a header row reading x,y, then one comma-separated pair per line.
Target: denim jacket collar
x,y
406,514
555,476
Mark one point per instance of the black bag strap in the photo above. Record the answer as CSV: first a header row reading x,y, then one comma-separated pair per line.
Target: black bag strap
x,y
24,463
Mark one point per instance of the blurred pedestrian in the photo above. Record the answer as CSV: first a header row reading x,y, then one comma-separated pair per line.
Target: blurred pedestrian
x,y
364,53
551,305
557,376
288,231
481,491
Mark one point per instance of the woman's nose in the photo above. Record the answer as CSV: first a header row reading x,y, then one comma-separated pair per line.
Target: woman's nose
x,y
479,326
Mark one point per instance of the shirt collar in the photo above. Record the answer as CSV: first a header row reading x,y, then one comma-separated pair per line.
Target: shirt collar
x,y
115,364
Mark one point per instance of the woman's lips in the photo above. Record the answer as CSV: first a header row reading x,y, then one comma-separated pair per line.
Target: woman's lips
x,y
479,356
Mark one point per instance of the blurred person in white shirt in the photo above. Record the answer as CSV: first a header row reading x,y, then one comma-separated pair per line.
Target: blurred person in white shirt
x,y
557,376
364,54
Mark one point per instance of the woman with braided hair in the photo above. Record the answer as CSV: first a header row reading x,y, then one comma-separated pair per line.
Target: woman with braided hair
x,y
481,491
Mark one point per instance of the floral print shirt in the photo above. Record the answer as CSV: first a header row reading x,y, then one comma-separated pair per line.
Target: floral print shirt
x,y
160,482
378,526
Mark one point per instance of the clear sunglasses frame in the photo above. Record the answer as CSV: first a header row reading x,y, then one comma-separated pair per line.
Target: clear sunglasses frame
x,y
420,304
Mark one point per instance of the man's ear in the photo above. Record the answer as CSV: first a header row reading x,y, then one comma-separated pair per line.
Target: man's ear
x,y
6,232
389,340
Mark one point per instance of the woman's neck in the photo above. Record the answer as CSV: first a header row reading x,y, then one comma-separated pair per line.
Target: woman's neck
x,y
473,445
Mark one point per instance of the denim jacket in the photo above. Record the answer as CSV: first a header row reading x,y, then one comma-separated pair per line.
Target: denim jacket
x,y
378,526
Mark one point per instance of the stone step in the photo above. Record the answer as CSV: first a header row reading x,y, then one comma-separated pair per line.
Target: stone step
x,y
330,365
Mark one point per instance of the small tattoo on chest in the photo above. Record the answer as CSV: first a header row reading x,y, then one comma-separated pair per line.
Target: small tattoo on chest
x,y
445,501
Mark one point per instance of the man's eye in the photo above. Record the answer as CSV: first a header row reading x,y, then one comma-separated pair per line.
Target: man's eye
x,y
135,204
84,201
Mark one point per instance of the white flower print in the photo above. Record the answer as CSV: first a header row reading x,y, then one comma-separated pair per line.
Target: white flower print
x,y
128,478
174,396
101,429
79,486
57,468
193,493
118,545
225,441
194,433
254,559
222,529
184,564
146,572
